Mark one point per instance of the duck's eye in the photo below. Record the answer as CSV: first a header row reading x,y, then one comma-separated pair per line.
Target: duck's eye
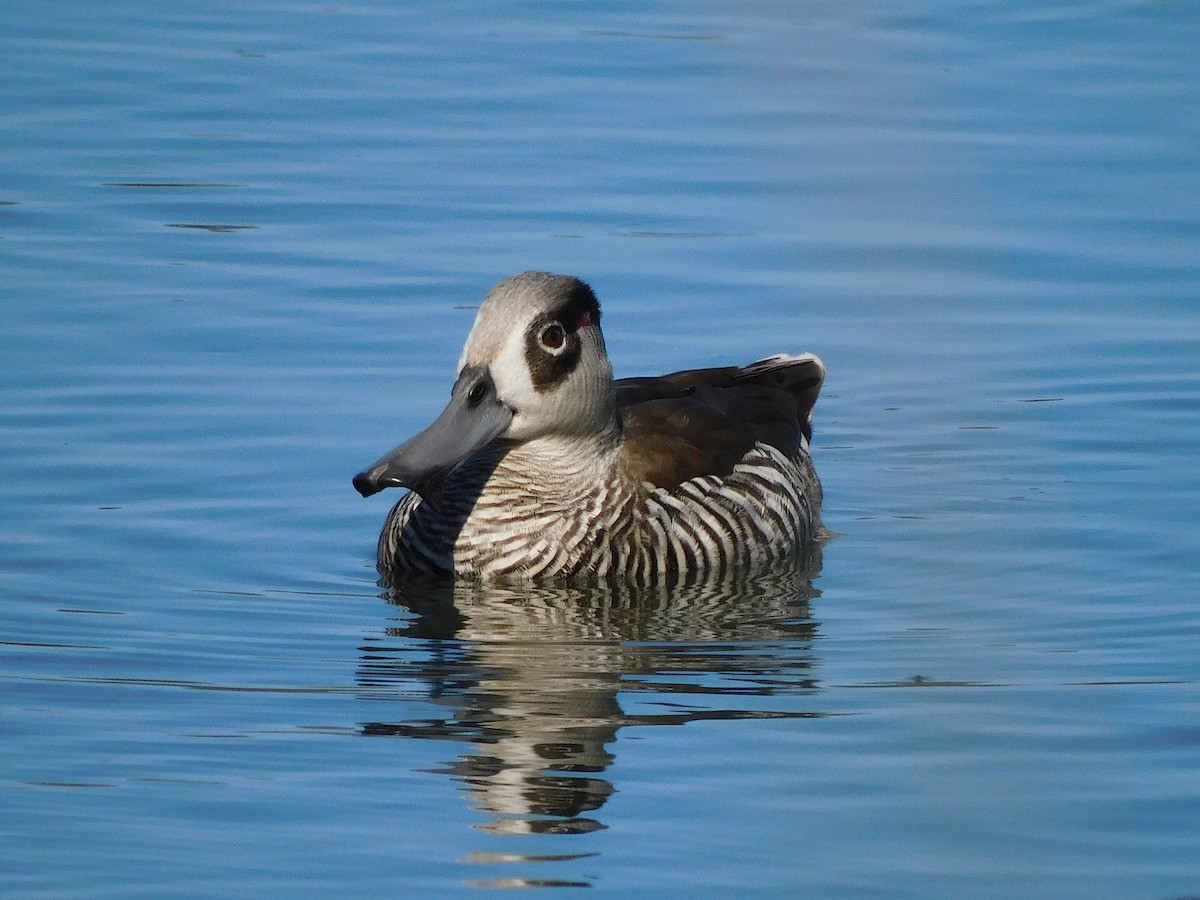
x,y
476,394
552,337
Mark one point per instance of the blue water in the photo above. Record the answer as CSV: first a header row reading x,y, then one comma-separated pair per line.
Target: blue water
x,y
240,247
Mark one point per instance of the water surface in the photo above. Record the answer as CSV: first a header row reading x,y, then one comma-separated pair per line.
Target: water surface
x,y
241,247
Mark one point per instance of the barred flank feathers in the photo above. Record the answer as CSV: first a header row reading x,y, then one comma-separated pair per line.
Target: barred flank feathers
x,y
611,528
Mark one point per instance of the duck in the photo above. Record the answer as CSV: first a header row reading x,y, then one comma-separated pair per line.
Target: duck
x,y
544,467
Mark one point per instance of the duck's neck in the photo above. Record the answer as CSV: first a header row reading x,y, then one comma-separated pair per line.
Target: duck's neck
x,y
564,466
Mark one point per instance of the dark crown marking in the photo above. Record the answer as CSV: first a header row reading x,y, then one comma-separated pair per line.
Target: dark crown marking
x,y
580,308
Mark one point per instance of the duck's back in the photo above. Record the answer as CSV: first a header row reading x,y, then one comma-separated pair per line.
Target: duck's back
x,y
704,421
723,454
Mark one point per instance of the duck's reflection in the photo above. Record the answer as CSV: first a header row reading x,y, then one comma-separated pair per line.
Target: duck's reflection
x,y
540,679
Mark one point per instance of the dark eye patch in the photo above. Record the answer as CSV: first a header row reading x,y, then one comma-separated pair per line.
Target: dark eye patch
x,y
551,352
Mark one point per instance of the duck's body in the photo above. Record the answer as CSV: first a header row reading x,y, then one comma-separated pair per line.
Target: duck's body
x,y
543,466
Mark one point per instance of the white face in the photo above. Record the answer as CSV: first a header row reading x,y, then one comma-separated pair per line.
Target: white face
x,y
514,387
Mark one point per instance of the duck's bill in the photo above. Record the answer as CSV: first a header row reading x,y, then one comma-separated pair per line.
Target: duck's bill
x,y
473,419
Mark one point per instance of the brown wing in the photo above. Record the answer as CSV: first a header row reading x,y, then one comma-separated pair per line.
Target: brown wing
x,y
704,421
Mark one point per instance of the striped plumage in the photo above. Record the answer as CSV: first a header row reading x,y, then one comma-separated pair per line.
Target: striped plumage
x,y
543,466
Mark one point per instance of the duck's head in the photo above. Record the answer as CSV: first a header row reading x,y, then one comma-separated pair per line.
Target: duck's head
x,y
534,365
